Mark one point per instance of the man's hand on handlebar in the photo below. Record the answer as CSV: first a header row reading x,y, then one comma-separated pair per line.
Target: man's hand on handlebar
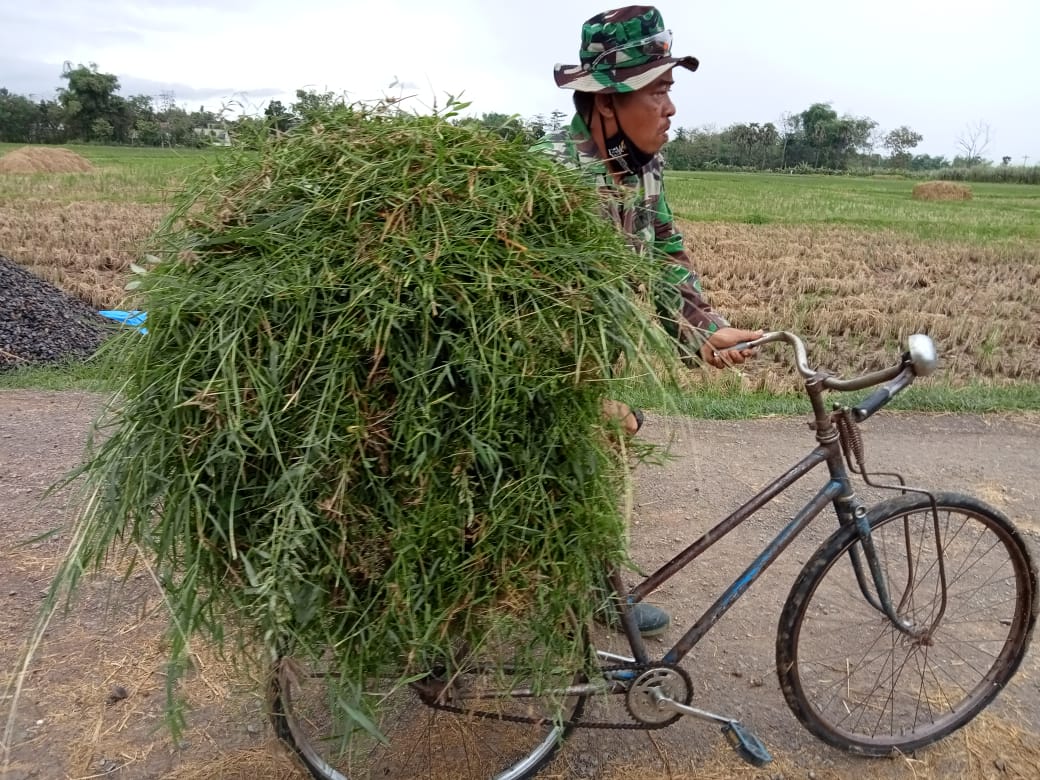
x,y
717,352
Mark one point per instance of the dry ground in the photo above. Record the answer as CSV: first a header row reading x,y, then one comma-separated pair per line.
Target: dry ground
x,y
74,721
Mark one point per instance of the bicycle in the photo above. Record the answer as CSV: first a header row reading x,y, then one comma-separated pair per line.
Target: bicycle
x,y
934,593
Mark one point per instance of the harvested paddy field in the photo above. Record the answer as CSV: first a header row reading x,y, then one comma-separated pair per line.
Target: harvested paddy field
x,y
857,295
853,291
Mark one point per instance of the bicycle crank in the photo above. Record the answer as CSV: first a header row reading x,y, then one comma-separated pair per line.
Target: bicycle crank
x,y
652,700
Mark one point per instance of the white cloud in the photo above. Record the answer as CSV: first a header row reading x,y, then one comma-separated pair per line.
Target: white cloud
x,y
931,64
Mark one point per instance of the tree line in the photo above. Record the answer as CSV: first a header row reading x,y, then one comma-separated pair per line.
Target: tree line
x,y
89,109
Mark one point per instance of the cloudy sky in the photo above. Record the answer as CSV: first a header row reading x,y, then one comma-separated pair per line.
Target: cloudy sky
x,y
939,66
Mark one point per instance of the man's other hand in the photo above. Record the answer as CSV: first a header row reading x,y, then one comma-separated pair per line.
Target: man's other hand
x,y
717,350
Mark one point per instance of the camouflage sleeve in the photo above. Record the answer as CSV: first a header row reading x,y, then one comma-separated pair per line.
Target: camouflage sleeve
x,y
693,317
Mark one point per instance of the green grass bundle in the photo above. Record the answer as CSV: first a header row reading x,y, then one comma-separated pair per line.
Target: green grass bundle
x,y
367,413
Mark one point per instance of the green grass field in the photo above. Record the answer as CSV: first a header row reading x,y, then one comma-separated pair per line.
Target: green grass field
x,y
997,213
125,174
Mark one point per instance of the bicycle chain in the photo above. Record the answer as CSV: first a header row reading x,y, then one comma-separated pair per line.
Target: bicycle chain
x,y
581,724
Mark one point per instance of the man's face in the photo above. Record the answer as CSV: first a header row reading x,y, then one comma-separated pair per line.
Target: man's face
x,y
646,113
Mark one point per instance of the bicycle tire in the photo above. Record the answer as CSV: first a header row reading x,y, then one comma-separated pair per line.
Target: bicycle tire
x,y
857,682
422,739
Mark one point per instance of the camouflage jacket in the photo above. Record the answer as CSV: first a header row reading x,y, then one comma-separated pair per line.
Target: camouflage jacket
x,y
640,211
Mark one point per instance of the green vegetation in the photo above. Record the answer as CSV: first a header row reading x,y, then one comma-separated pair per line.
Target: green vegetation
x,y
998,213
732,403
368,411
89,109
91,376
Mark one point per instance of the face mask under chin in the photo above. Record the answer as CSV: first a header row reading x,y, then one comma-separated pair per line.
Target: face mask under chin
x,y
621,150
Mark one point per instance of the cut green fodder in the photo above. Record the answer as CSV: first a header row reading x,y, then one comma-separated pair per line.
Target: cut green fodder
x,y
367,414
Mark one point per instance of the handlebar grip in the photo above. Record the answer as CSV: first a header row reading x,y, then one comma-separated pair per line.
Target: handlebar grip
x,y
872,403
883,395
739,346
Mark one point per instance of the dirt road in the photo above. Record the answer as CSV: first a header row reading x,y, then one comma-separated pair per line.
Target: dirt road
x,y
92,703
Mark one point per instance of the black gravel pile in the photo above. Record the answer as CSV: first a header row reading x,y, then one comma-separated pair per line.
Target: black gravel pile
x,y
41,324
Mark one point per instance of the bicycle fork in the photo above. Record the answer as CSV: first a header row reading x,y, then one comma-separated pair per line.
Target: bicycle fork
x,y
842,427
883,601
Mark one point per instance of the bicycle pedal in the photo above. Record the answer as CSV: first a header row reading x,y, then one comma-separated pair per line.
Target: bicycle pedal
x,y
748,746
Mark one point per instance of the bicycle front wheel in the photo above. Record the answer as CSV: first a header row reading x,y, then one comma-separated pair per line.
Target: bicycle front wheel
x,y
960,578
480,720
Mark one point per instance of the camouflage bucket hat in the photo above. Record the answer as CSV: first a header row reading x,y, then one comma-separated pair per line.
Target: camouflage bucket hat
x,y
621,51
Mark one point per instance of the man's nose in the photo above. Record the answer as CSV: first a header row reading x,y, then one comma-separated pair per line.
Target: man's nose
x,y
669,107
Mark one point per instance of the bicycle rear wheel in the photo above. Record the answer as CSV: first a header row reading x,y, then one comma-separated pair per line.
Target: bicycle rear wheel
x,y
453,725
859,683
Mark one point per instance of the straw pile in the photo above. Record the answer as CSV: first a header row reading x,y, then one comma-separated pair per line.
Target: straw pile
x,y
941,190
43,159
368,410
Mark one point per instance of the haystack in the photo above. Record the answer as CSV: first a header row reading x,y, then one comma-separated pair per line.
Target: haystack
x,y
43,159
368,412
941,190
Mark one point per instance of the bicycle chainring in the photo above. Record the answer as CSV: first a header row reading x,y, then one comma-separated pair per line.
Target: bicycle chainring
x,y
642,698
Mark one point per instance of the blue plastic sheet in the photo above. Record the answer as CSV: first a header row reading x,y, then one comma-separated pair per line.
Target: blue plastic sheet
x,y
134,319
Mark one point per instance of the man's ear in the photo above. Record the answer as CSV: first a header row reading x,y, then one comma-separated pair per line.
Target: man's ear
x,y
604,102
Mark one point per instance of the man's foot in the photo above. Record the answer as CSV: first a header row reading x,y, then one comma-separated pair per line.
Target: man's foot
x,y
651,620
631,419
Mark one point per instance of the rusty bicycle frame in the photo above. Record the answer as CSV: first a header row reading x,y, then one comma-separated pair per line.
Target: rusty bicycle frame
x,y
838,491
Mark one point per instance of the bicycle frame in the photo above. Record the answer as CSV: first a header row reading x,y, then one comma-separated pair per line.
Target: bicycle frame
x,y
838,491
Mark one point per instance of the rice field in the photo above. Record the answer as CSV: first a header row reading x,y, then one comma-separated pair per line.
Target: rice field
x,y
853,264
1003,214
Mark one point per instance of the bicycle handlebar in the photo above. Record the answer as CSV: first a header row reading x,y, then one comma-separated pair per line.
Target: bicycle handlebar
x,y
919,360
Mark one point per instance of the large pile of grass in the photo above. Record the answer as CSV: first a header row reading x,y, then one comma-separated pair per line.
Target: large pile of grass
x,y
367,413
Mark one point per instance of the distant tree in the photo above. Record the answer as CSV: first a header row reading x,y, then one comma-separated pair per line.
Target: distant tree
x,y
767,141
88,97
145,127
833,138
101,131
536,126
17,117
925,162
278,117
49,126
792,126
899,142
1005,160
505,125
556,120
309,103
819,125
752,143
974,141
961,161
744,138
